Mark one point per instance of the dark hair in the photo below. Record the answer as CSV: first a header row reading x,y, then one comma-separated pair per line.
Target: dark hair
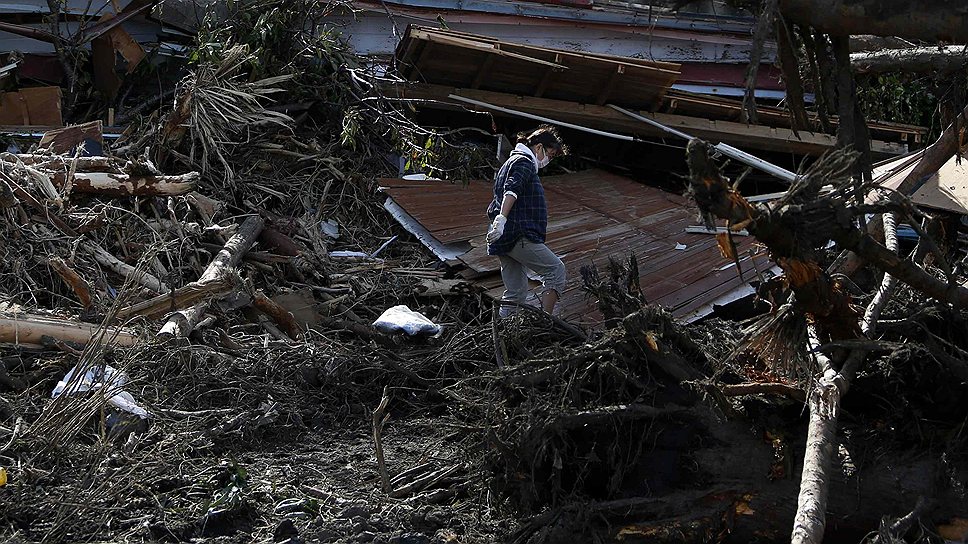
x,y
546,135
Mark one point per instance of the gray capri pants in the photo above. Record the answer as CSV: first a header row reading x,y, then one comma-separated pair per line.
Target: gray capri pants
x,y
527,254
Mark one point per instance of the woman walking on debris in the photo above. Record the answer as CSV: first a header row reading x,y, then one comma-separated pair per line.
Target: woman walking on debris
x,y
519,220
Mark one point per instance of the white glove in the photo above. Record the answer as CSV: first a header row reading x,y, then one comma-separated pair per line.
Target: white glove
x,y
497,229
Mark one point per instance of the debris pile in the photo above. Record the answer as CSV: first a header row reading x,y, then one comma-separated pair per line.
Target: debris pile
x,y
212,330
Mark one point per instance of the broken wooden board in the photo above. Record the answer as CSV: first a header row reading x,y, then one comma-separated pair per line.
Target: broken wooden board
x,y
605,118
64,140
431,287
31,106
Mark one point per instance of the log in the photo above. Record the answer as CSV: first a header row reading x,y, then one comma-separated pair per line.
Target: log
x,y
32,328
817,295
934,60
867,42
122,185
932,158
735,390
888,282
60,162
183,297
72,279
182,322
928,20
280,315
123,269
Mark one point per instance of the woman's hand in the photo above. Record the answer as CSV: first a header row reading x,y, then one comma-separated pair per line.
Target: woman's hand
x,y
497,229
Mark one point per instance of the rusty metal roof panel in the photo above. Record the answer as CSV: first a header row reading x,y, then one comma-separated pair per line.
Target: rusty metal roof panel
x,y
593,216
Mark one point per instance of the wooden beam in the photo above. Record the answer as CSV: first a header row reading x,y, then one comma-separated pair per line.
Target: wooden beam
x,y
605,118
123,185
546,78
483,72
609,85
669,68
482,47
183,297
182,322
424,54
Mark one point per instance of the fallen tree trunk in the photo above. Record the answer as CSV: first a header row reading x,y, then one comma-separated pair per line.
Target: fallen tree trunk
x,y
932,158
936,60
31,329
121,185
183,297
863,42
123,269
929,20
182,322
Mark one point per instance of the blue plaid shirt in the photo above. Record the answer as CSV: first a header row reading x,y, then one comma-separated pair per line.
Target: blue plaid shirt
x,y
529,215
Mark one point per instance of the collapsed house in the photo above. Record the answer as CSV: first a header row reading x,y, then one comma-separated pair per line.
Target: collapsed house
x,y
594,215
194,319
118,35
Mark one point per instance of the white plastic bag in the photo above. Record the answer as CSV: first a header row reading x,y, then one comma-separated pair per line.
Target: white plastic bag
x,y
106,377
403,319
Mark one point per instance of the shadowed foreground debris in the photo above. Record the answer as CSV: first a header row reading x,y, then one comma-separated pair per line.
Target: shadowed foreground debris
x,y
219,270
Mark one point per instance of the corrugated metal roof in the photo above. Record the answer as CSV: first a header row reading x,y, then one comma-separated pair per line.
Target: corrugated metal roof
x,y
593,215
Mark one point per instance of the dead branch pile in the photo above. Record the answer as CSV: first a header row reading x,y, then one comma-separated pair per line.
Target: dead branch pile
x,y
191,275
194,260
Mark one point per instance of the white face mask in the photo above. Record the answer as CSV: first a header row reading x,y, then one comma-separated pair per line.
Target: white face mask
x,y
544,160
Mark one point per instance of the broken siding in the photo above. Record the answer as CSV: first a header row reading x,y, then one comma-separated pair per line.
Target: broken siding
x,y
946,189
593,216
371,32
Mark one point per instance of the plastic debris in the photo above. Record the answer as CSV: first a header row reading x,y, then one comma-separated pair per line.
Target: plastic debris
x,y
97,378
382,247
348,254
330,228
402,319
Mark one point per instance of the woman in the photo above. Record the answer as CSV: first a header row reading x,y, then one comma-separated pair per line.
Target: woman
x,y
519,221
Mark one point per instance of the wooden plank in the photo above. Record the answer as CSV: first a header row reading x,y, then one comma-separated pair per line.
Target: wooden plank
x,y
483,72
31,106
545,81
605,118
490,49
64,140
668,68
424,55
607,89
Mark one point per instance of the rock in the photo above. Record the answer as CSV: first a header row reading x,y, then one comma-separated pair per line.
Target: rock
x,y
354,511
